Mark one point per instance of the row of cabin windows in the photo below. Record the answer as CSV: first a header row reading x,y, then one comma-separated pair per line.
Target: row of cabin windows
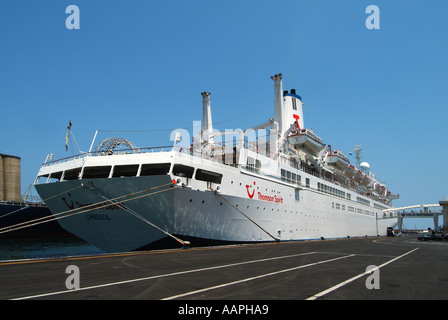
x,y
339,206
132,171
292,177
333,191
118,171
363,201
378,206
253,165
341,194
181,170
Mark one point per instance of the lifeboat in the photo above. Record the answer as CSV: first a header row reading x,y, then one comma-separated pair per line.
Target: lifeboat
x,y
350,171
307,140
366,180
337,159
359,176
380,189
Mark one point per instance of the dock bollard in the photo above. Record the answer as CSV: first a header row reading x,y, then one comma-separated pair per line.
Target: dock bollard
x,y
186,245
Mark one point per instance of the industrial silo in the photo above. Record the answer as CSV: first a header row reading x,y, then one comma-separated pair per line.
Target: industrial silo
x,y
10,178
2,189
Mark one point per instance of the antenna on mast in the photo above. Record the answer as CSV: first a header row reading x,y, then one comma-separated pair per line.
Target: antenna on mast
x,y
69,130
358,150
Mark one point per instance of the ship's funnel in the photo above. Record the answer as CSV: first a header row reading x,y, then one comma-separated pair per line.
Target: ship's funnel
x,y
278,101
293,108
207,127
288,107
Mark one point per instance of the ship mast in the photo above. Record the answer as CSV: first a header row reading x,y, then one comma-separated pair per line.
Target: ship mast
x,y
357,151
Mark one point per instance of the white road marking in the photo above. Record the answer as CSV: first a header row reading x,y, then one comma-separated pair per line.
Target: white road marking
x,y
254,278
161,276
321,294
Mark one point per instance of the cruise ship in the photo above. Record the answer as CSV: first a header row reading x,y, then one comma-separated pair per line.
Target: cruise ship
x,y
274,182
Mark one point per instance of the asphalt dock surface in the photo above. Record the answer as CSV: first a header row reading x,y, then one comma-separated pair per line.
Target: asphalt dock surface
x,y
403,268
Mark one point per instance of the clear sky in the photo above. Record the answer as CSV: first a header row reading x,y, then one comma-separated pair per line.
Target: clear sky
x,y
142,64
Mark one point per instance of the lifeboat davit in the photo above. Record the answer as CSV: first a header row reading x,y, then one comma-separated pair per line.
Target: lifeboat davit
x,y
307,140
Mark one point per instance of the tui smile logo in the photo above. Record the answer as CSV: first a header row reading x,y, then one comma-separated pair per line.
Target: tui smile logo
x,y
71,205
251,195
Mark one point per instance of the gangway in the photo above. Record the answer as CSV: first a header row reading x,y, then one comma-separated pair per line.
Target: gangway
x,y
421,211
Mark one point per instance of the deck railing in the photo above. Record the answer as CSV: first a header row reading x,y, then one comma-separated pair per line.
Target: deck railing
x,y
111,152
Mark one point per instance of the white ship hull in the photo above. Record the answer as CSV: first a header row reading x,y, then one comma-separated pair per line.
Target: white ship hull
x,y
281,209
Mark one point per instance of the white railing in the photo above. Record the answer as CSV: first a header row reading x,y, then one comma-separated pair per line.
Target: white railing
x,y
112,152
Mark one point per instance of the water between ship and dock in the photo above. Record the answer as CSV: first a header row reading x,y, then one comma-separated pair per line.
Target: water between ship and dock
x,y
36,248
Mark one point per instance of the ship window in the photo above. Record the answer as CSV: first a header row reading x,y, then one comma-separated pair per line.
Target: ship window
x,y
257,166
155,169
72,174
208,176
125,171
183,171
96,172
250,164
307,181
283,173
294,105
40,178
363,201
297,194
253,164
55,176
377,206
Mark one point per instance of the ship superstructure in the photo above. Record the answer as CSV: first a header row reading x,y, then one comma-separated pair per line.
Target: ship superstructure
x,y
275,181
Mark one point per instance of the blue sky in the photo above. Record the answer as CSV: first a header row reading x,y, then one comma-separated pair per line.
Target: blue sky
x,y
141,65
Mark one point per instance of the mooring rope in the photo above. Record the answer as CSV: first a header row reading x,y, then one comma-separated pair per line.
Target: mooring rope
x,y
228,202
9,213
135,214
26,206
84,209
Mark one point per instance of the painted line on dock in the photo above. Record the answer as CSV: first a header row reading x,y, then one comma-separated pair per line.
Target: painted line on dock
x,y
161,276
340,285
254,278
